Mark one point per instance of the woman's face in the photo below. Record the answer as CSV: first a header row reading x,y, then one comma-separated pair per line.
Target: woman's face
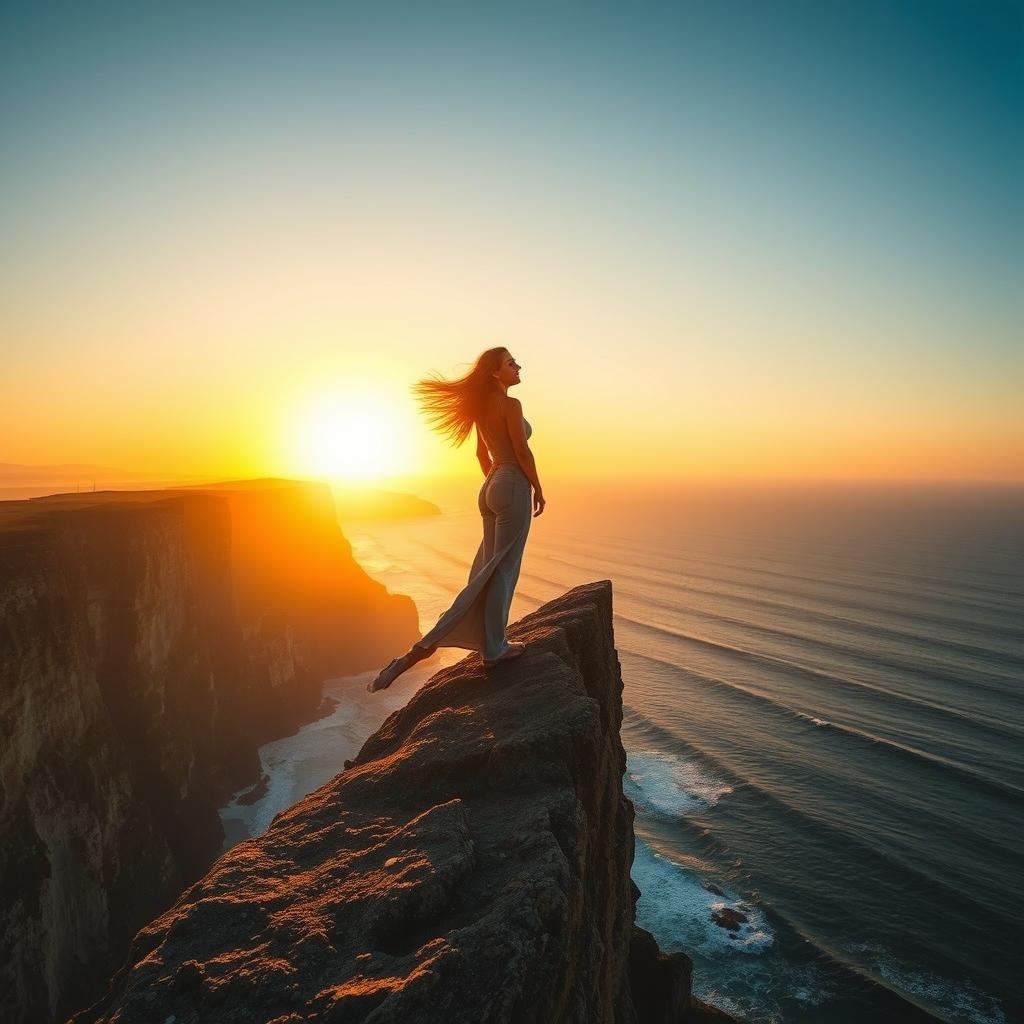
x,y
509,372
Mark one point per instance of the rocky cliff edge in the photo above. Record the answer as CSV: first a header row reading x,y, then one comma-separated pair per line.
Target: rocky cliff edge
x,y
471,864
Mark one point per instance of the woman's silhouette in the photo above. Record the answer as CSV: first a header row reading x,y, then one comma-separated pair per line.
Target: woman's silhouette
x,y
477,618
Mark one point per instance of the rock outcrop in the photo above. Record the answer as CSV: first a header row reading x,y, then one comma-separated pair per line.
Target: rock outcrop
x,y
149,642
471,864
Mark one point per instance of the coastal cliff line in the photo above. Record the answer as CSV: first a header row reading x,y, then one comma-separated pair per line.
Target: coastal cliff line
x,y
470,864
150,641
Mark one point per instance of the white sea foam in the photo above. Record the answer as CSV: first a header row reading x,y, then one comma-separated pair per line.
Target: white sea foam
x,y
676,907
747,976
763,992
671,785
961,1002
296,765
820,722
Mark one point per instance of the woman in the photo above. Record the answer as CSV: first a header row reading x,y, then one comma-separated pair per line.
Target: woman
x,y
477,619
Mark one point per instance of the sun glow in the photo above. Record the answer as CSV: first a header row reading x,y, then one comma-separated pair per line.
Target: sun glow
x,y
353,436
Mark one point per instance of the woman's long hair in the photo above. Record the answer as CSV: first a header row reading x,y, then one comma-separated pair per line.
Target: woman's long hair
x,y
453,406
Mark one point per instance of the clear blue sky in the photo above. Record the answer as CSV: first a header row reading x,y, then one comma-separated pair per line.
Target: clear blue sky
x,y
803,220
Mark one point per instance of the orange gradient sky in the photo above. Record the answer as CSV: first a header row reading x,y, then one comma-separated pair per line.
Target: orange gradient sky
x,y
241,270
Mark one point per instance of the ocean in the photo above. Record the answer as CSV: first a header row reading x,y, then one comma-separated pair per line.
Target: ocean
x,y
824,715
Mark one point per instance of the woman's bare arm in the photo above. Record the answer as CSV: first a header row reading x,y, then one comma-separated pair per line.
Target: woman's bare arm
x,y
517,432
482,454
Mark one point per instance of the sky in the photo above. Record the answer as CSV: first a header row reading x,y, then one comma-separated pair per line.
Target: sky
x,y
723,240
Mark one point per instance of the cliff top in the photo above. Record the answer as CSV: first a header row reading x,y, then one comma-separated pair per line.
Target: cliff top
x,y
39,513
44,513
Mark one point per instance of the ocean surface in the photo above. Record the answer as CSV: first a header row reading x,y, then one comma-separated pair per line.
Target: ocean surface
x,y
824,724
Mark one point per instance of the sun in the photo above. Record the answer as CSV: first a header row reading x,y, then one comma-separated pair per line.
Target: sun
x,y
353,436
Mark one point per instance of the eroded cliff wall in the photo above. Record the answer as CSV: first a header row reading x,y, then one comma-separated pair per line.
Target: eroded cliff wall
x,y
471,864
149,642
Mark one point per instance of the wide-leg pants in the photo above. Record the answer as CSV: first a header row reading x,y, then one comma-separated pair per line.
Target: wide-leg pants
x,y
478,616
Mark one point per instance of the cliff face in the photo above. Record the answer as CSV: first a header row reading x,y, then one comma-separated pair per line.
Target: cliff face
x,y
471,864
143,658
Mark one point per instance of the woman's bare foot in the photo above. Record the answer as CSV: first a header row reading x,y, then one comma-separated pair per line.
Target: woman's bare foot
x,y
515,650
386,676
397,666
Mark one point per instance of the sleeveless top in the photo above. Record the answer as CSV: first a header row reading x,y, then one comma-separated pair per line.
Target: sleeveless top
x,y
500,447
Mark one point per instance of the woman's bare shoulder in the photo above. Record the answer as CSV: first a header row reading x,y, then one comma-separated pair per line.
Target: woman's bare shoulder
x,y
502,406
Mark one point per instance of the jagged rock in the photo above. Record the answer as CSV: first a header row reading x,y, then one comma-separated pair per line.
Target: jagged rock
x,y
729,918
149,642
659,982
660,985
471,865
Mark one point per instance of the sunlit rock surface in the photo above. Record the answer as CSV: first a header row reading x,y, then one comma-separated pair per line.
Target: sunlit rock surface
x,y
471,864
149,642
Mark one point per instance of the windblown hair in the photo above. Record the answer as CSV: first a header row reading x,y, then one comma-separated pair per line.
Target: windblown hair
x,y
453,406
